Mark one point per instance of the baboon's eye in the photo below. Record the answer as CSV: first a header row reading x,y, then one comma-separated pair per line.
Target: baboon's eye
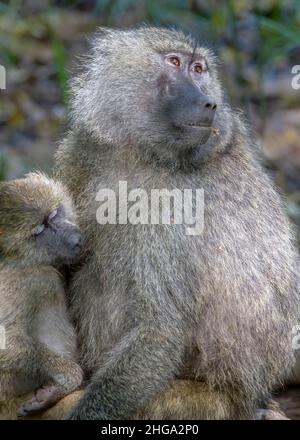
x,y
38,230
198,68
52,215
174,60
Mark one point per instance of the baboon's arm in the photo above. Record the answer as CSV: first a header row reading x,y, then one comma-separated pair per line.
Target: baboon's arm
x,y
136,370
34,360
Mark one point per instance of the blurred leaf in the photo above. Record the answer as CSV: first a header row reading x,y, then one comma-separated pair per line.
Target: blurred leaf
x,y
291,34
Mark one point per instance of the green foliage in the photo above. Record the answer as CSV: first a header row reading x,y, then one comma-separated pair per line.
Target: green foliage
x,y
277,37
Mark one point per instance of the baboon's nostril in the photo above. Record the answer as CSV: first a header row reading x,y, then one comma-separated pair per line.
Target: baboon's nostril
x,y
210,105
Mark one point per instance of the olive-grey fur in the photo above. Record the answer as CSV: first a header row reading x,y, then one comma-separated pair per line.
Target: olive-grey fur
x,y
40,341
152,304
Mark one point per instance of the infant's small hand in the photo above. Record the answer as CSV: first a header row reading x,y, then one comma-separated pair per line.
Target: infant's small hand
x,y
43,399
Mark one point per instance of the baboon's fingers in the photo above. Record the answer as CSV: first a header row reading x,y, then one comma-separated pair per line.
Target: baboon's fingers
x,y
60,410
32,406
43,399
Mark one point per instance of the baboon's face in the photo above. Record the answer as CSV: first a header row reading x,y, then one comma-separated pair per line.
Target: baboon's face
x,y
187,111
179,106
152,88
57,237
37,223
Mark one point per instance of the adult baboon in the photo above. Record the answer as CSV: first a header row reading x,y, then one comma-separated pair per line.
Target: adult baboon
x,y
151,303
38,233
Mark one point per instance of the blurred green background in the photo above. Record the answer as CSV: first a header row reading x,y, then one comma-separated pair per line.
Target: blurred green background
x,y
258,42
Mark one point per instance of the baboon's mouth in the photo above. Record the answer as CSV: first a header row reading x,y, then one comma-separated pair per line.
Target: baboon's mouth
x,y
198,124
192,125
199,132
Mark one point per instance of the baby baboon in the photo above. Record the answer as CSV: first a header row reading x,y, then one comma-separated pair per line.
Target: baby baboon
x,y
152,303
37,234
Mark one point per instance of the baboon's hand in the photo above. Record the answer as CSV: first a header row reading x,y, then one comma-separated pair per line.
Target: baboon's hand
x,y
43,399
48,395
